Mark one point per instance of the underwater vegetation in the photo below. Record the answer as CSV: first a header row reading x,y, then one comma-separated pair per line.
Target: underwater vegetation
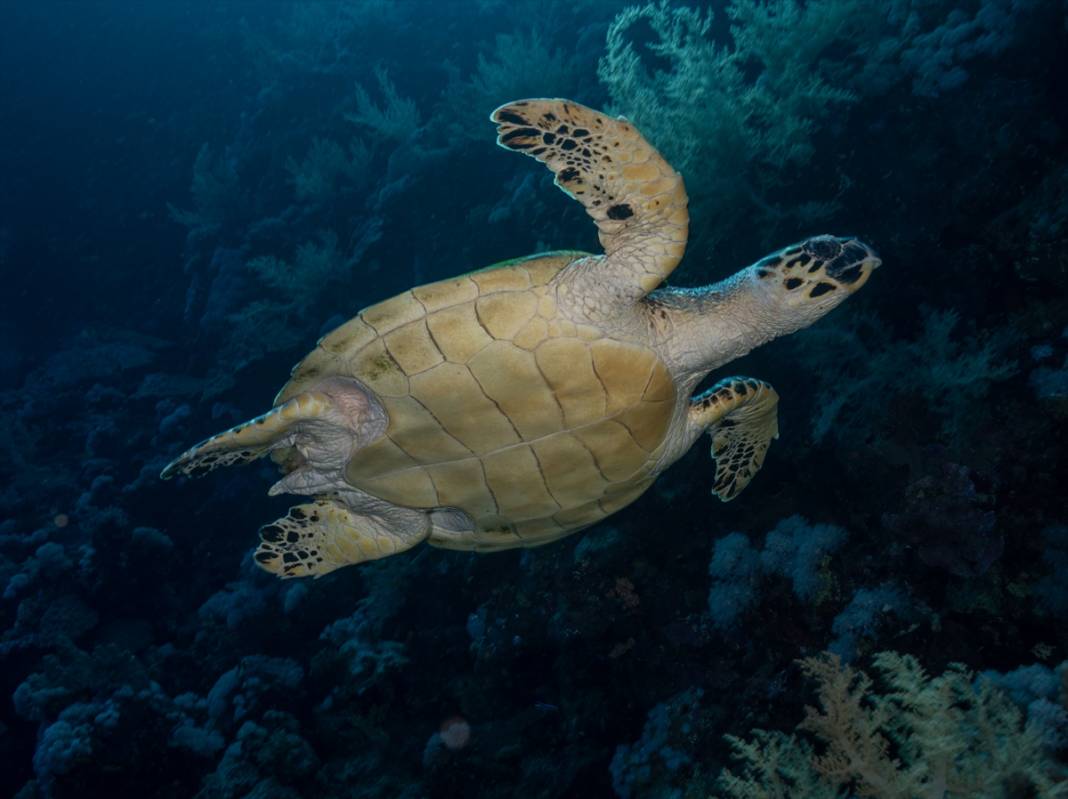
x,y
194,195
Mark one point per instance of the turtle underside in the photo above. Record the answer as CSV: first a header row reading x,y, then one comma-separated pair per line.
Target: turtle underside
x,y
476,414
532,425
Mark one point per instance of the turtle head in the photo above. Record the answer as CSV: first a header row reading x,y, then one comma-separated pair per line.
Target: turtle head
x,y
808,279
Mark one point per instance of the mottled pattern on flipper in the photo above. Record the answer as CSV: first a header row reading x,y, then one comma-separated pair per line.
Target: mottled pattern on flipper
x,y
742,417
318,537
637,200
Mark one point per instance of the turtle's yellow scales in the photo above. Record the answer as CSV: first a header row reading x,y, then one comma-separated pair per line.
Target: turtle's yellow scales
x,y
530,432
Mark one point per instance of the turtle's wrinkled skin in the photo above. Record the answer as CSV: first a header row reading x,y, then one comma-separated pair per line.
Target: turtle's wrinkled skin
x,y
518,404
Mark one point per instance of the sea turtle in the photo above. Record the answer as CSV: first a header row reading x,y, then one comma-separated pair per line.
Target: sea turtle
x,y
512,406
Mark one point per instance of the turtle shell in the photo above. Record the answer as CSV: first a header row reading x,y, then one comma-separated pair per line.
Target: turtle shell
x,y
531,424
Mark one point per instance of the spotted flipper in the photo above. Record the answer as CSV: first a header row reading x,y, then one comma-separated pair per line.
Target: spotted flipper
x,y
741,415
325,424
316,538
637,200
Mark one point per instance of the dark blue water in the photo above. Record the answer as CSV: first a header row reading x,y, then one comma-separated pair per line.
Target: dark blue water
x,y
192,194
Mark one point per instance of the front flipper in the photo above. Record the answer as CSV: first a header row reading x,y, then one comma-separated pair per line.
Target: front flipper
x,y
637,200
325,426
742,417
316,538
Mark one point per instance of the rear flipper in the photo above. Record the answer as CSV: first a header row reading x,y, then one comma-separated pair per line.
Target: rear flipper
x,y
324,425
741,415
316,538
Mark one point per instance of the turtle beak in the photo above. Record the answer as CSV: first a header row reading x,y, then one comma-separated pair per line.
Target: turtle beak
x,y
870,256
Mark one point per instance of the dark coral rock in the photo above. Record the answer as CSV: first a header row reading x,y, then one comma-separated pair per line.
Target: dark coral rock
x,y
950,521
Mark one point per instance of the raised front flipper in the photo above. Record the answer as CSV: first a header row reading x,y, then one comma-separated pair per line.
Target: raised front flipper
x,y
637,200
323,426
321,536
741,415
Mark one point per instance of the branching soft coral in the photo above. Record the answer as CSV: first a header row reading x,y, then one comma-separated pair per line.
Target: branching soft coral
x,y
861,364
396,118
740,112
303,292
327,167
545,72
216,192
916,737
730,117
315,38
317,262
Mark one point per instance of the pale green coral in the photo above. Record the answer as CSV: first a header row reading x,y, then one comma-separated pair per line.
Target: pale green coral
x,y
327,167
395,118
317,263
302,291
732,116
739,108
774,766
216,192
545,72
316,37
916,737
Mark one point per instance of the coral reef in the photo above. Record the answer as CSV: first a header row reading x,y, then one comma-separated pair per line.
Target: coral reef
x,y
194,194
918,736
